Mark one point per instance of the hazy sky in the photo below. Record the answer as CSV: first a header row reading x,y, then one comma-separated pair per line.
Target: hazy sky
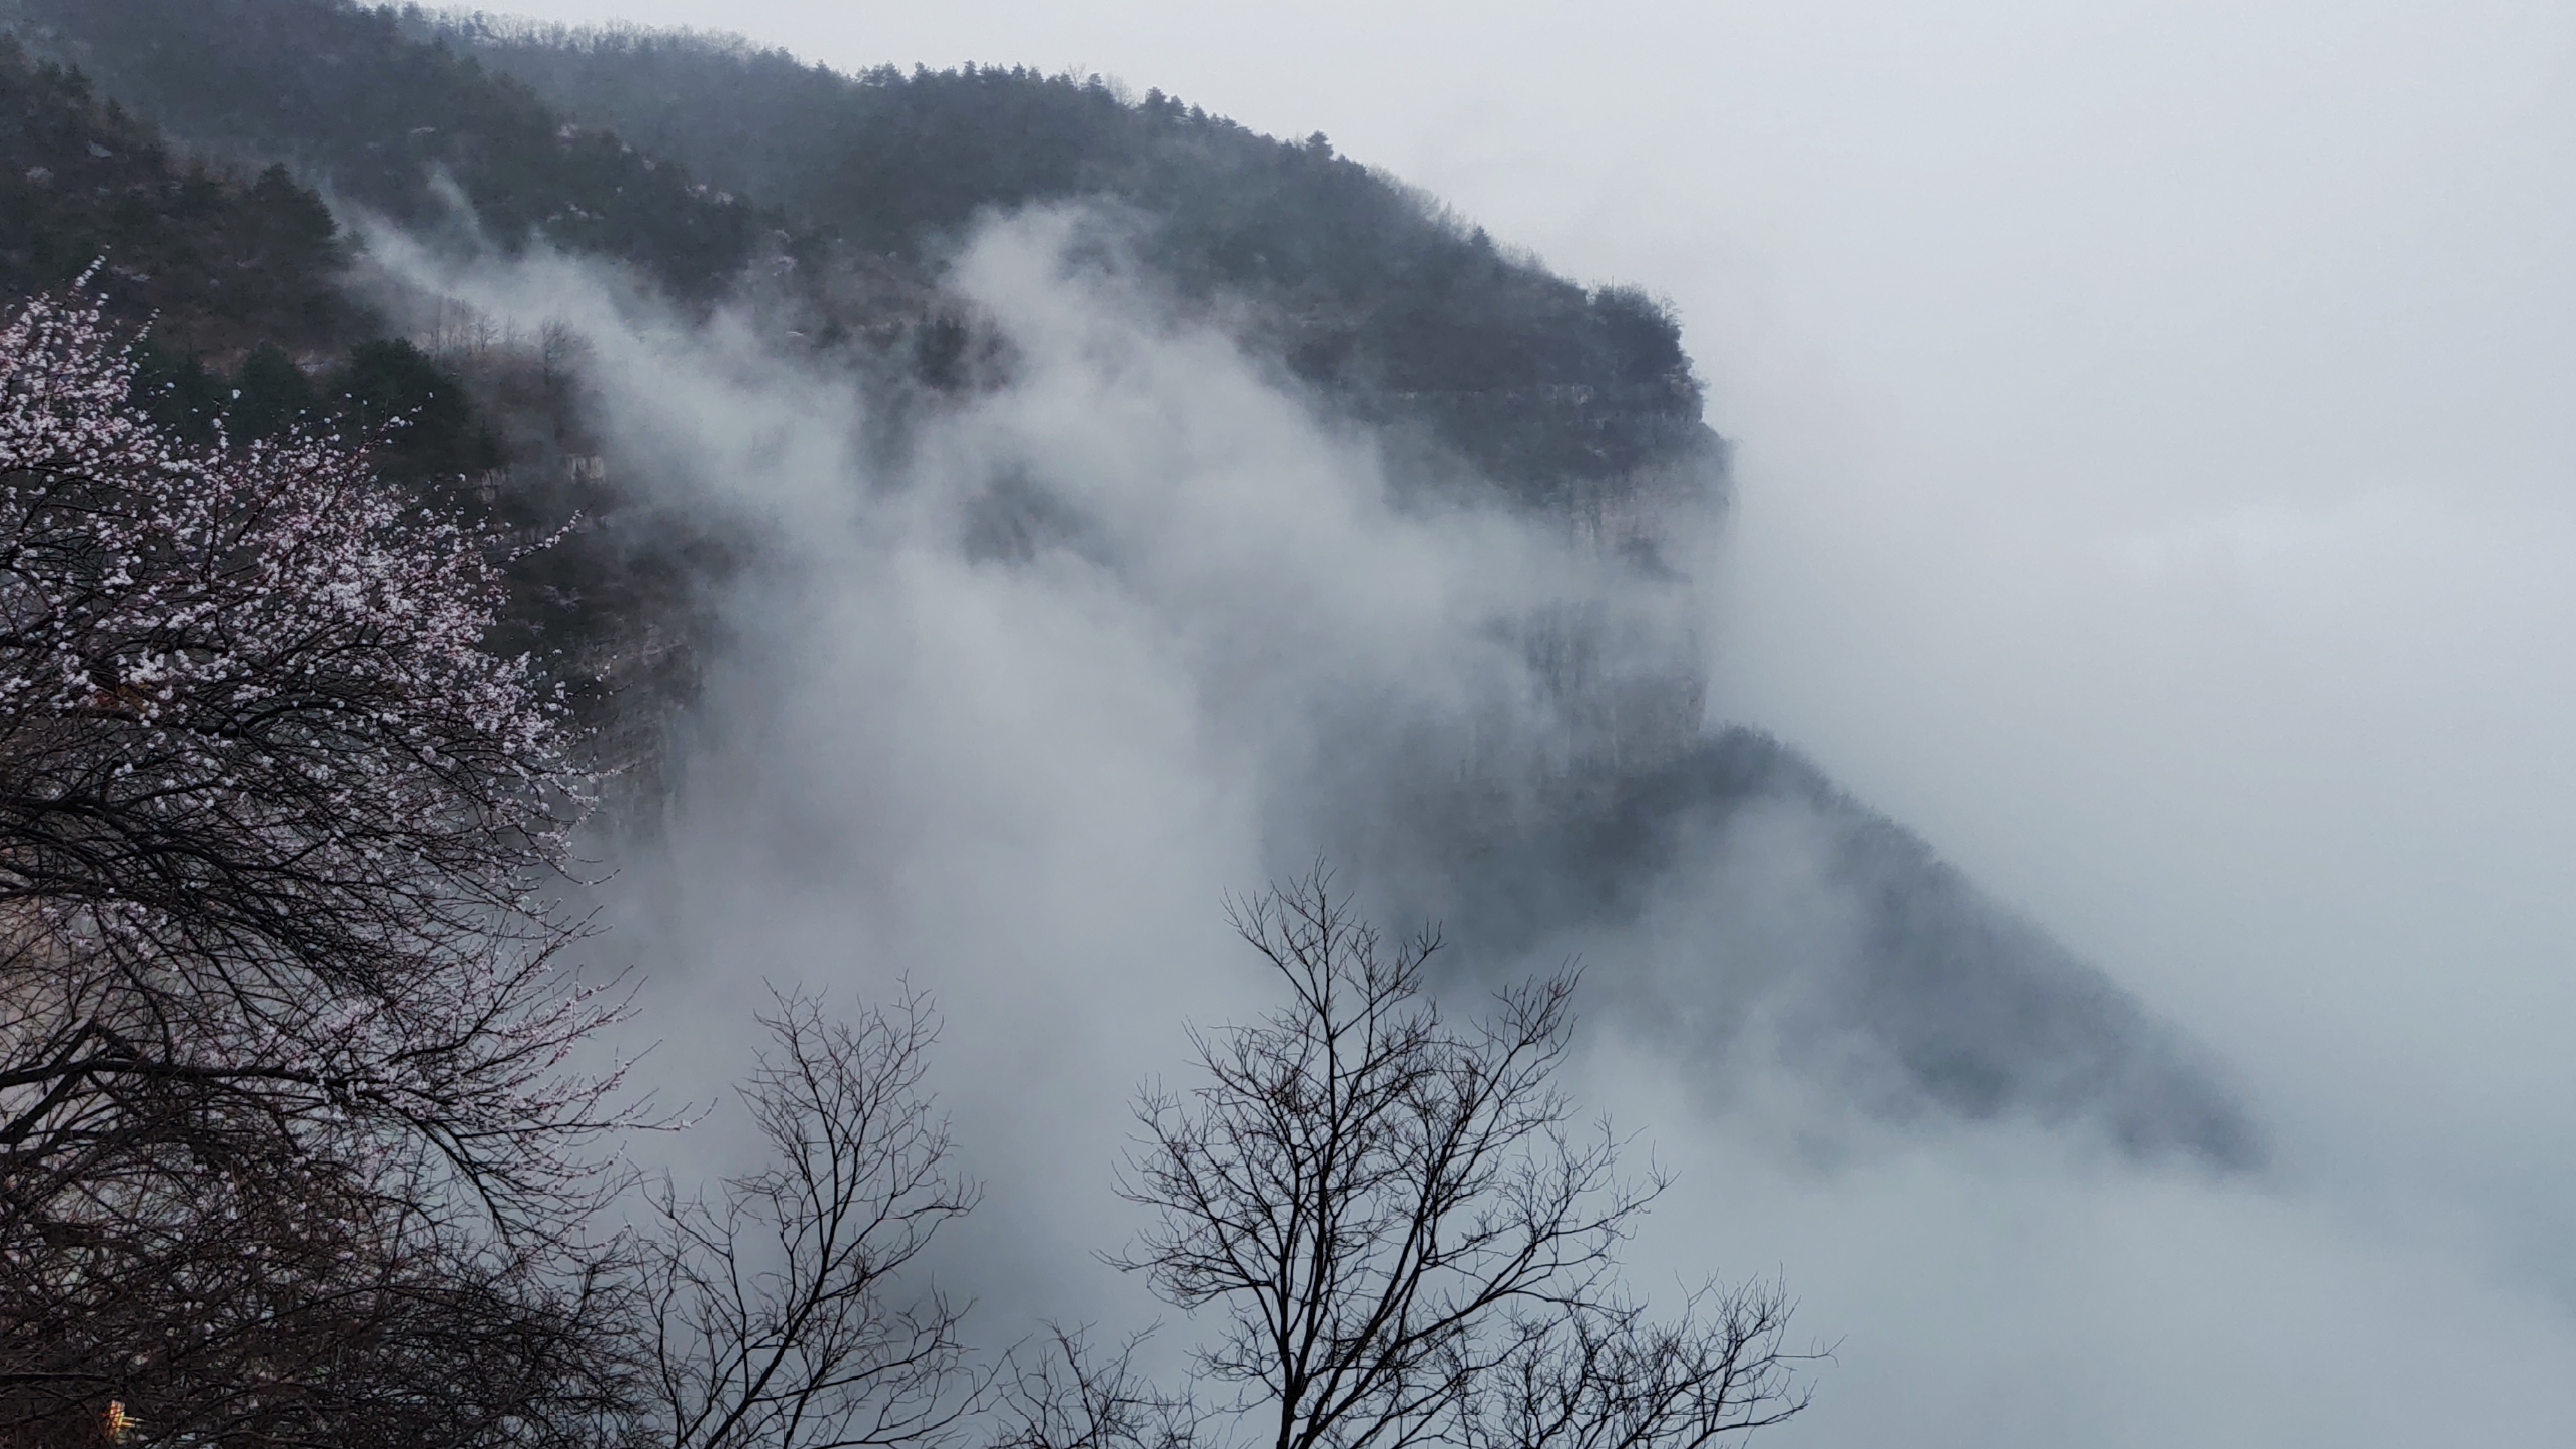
x,y
2157,426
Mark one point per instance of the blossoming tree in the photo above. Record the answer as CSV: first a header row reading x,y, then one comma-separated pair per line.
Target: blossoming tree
x,y
286,1041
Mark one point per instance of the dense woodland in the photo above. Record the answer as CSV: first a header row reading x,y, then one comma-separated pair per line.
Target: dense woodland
x,y
671,153
1368,287
337,92
224,260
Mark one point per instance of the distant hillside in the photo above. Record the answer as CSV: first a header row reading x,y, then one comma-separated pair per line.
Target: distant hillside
x,y
234,279
690,157
340,94
1883,963
1372,289
223,261
233,275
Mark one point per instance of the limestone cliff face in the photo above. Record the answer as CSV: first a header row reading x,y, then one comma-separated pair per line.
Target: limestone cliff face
x,y
1617,677
1633,678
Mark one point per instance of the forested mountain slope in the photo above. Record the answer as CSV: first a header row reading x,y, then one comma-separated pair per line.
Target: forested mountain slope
x,y
222,261
1369,287
830,206
1544,384
337,92
1971,1010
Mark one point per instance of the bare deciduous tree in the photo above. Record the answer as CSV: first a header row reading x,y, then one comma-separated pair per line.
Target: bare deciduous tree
x,y
1401,1234
785,1313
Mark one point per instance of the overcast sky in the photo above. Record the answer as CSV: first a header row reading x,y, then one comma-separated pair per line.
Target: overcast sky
x,y
2157,426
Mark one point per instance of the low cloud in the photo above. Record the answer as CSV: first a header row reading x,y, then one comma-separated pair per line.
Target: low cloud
x,y
1006,709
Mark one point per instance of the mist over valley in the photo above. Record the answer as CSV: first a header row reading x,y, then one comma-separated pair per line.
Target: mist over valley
x,y
986,523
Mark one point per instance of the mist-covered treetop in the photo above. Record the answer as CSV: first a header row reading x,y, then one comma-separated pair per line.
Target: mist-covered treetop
x,y
898,162
695,157
1364,285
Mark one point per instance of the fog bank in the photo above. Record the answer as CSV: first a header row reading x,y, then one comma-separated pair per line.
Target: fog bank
x,y
2146,426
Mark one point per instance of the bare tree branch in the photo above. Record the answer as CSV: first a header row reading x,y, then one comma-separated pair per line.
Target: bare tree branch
x,y
1402,1235
787,1318
1071,1396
